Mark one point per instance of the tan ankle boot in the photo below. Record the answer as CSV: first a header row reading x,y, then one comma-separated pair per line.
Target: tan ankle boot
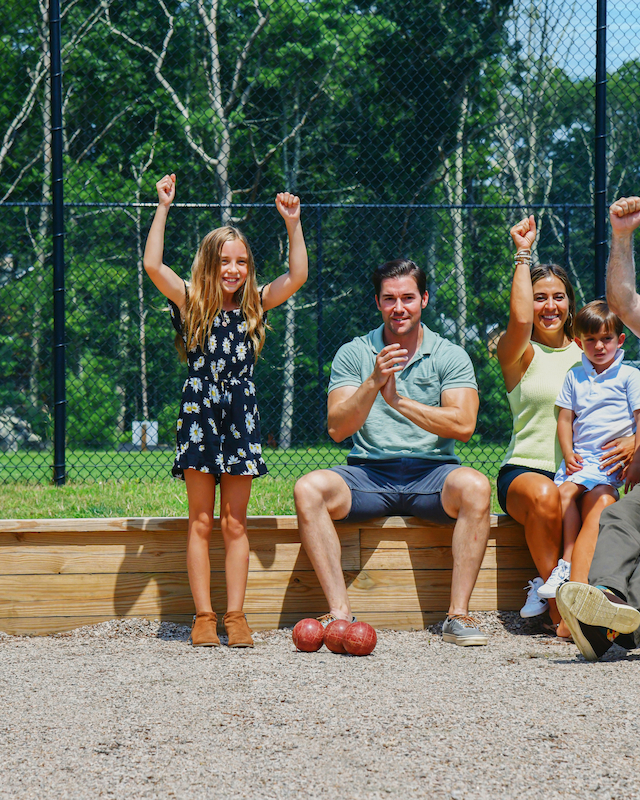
x,y
239,632
203,630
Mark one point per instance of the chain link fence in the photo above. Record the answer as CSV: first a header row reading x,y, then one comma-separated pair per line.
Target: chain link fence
x,y
416,129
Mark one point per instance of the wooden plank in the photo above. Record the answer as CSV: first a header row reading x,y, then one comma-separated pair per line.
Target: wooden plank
x,y
427,557
496,521
284,522
64,553
391,538
100,524
79,541
165,593
86,595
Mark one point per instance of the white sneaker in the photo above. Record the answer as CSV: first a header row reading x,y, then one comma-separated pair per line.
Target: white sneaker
x,y
534,605
560,574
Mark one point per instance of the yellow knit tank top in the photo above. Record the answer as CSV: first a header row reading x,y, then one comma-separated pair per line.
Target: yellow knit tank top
x,y
534,441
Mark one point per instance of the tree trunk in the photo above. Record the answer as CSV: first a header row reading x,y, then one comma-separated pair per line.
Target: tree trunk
x,y
41,238
455,192
142,318
288,375
123,350
222,173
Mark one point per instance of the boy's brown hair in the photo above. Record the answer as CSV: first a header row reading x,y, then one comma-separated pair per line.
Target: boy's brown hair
x,y
595,316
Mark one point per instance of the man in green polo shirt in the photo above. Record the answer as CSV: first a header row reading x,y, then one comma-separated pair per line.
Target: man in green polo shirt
x,y
404,394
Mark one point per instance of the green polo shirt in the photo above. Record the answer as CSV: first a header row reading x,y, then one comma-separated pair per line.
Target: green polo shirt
x,y
437,365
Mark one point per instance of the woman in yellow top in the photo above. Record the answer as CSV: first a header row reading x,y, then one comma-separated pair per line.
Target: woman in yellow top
x,y
535,353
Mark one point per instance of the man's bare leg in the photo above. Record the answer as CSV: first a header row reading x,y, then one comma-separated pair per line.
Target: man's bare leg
x,y
321,497
466,496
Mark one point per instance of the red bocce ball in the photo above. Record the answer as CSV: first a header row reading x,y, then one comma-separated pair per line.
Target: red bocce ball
x,y
308,635
333,635
359,639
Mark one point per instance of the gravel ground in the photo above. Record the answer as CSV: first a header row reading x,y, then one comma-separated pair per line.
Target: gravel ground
x,y
129,709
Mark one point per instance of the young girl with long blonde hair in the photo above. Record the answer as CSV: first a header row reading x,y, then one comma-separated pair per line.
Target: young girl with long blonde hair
x,y
219,319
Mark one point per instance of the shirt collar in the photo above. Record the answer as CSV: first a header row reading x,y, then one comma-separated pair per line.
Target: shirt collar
x,y
376,341
591,371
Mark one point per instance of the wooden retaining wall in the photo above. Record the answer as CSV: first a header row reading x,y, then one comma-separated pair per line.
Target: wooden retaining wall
x,y
56,575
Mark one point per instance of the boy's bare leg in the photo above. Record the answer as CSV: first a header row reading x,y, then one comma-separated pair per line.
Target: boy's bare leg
x,y
466,496
593,504
570,494
321,497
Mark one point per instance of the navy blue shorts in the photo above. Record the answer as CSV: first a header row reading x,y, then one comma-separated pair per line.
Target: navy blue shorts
x,y
508,474
404,486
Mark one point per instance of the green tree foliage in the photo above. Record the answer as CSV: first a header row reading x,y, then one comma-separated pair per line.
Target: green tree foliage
x,y
342,101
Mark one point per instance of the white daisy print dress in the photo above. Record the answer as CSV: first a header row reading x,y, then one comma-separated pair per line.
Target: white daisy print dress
x,y
218,427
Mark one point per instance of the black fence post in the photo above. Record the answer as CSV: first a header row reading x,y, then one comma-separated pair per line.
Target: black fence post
x,y
59,388
600,177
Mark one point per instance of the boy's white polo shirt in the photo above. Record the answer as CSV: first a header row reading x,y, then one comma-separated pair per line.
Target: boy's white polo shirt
x,y
603,404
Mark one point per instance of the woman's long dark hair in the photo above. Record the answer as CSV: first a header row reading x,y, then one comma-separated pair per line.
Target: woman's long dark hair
x,y
543,271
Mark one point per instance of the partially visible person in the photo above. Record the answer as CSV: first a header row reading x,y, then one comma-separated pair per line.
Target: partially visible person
x,y
606,611
219,319
535,353
599,399
405,395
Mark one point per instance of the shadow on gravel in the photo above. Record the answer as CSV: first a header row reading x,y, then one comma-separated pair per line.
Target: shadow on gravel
x,y
515,624
173,632
613,656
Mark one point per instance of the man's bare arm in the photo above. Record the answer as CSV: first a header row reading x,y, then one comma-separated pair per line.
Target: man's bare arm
x,y
348,406
622,297
455,418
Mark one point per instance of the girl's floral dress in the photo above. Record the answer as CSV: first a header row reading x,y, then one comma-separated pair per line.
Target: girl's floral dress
x,y
218,428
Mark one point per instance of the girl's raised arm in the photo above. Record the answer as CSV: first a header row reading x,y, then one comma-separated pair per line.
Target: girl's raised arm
x,y
516,340
165,279
289,282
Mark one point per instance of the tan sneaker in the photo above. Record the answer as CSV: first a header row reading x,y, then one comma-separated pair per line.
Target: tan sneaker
x,y
239,632
203,630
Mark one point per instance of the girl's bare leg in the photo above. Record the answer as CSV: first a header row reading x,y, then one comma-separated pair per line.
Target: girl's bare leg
x,y
570,494
534,501
234,499
201,493
593,504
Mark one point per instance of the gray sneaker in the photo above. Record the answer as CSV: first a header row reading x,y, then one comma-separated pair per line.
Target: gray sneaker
x,y
462,630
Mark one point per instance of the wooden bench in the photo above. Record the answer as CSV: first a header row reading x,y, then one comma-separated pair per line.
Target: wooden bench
x,y
56,575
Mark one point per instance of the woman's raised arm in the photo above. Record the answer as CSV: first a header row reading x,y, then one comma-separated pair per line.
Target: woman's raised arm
x,y
515,341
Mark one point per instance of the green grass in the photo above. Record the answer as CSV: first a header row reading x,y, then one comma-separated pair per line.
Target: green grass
x,y
110,484
110,464
129,498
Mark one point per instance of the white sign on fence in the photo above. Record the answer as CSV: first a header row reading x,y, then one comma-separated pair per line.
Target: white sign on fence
x,y
144,434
